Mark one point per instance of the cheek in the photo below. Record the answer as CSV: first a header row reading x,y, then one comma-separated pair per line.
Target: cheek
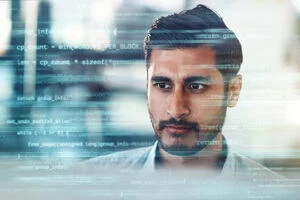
x,y
156,104
208,107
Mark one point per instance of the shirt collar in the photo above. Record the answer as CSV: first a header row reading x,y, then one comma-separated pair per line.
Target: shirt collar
x,y
151,159
150,162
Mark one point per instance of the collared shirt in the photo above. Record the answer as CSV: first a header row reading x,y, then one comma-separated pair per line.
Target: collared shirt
x,y
152,159
228,165
235,165
240,177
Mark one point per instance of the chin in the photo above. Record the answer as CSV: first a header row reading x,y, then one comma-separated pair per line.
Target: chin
x,y
178,147
179,150
185,141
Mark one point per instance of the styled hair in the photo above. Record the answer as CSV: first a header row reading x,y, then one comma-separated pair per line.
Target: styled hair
x,y
192,28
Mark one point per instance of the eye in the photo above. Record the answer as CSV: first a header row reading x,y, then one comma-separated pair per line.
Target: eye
x,y
197,87
163,85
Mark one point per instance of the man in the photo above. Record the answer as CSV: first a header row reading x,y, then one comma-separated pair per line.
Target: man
x,y
192,63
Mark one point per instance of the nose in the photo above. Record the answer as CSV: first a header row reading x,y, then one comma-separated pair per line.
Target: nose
x,y
178,105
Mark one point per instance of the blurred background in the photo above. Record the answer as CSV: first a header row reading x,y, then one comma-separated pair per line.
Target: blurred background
x,y
73,78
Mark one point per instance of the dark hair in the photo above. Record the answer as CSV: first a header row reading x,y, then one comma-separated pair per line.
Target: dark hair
x,y
193,28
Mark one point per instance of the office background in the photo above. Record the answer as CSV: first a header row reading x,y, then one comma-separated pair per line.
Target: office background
x,y
73,78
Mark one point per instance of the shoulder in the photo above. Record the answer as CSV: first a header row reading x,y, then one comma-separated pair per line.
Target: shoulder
x,y
134,158
250,169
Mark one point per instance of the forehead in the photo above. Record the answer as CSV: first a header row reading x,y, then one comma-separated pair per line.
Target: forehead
x,y
183,62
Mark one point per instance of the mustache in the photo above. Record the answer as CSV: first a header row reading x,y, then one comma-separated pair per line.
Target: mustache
x,y
191,125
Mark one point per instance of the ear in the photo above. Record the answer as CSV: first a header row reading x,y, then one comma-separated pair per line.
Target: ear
x,y
234,88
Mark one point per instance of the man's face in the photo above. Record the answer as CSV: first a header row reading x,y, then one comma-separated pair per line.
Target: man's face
x,y
185,98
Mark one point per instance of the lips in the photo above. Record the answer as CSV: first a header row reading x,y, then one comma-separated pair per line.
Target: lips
x,y
177,129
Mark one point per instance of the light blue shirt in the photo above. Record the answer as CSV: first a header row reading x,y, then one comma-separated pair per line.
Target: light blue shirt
x,y
235,165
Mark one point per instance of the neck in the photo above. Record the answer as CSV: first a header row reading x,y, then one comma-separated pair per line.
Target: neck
x,y
207,158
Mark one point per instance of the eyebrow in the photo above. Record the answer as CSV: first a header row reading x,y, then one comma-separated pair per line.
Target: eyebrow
x,y
161,79
196,78
186,80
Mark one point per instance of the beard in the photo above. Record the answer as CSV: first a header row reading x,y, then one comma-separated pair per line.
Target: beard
x,y
200,136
